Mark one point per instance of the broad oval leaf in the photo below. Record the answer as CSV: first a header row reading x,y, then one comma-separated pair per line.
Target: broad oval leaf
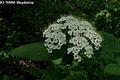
x,y
112,69
36,52
110,43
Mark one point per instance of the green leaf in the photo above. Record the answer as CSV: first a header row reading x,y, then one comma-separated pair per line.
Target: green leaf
x,y
110,43
118,60
57,61
112,69
77,76
36,52
107,59
54,74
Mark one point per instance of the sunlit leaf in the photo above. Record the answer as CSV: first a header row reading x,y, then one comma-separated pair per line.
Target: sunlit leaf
x,y
57,61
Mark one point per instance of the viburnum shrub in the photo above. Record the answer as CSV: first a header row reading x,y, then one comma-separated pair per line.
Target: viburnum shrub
x,y
69,35
80,36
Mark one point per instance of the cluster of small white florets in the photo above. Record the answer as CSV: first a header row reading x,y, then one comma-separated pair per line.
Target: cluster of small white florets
x,y
55,38
82,32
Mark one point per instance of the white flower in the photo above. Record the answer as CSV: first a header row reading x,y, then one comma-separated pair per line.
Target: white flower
x,y
82,35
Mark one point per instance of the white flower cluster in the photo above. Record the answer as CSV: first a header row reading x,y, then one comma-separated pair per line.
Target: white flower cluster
x,y
82,36
55,38
79,44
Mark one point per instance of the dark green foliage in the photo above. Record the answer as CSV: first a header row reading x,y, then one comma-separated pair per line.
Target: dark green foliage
x,y
24,24
110,43
36,52
76,76
113,68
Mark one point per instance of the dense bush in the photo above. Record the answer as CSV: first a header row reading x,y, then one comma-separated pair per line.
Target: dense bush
x,y
23,24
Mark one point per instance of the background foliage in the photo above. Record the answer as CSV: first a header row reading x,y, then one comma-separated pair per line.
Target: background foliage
x,y
23,24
